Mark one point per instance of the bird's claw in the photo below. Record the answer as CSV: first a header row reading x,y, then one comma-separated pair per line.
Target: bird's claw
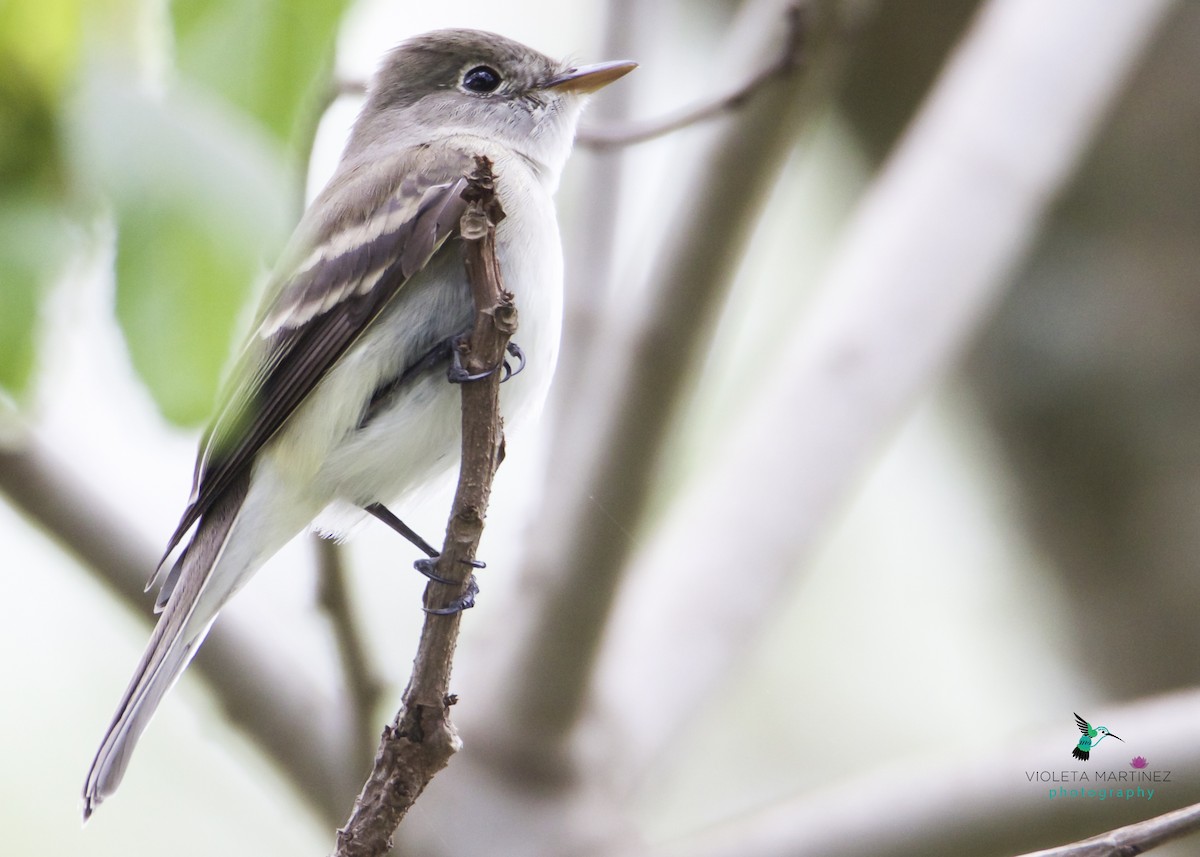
x,y
458,374
514,350
463,602
427,566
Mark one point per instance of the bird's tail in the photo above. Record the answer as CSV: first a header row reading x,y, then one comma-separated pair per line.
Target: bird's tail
x,y
180,630
1081,755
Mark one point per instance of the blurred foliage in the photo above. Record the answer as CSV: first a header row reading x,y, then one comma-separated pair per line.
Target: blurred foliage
x,y
39,44
188,163
199,202
269,58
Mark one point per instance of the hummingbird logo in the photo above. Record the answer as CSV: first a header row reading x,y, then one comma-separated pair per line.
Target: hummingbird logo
x,y
1092,735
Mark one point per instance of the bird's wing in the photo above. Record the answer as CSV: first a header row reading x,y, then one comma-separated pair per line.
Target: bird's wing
x,y
1083,725
381,227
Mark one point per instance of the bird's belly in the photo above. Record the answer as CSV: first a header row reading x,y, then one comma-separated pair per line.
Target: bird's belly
x,y
411,442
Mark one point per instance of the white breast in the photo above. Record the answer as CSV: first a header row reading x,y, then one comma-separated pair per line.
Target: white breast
x,y
324,457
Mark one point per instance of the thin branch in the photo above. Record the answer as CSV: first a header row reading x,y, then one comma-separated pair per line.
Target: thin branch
x,y
354,88
363,685
790,59
421,739
1133,839
589,241
273,706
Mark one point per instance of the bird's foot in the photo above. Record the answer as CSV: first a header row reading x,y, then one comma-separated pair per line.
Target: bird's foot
x,y
458,374
463,602
467,600
428,565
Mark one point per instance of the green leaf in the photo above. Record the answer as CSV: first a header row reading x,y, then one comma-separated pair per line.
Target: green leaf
x,y
30,163
178,296
31,247
266,56
199,199
38,47
42,38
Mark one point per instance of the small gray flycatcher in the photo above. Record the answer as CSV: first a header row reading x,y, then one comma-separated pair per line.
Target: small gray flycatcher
x,y
339,399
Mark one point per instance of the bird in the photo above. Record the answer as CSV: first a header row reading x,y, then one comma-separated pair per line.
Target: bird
x,y
339,403
1092,735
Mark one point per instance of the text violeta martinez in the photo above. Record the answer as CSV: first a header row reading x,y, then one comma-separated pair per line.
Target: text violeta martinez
x,y
1099,776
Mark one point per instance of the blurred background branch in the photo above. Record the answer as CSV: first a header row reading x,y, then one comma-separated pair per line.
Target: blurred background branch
x,y
790,59
305,733
364,688
977,180
638,367
935,808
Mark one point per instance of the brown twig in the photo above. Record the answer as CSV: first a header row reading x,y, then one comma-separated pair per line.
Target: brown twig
x,y
421,739
790,59
1133,838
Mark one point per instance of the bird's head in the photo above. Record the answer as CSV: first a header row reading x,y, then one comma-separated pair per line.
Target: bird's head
x,y
468,82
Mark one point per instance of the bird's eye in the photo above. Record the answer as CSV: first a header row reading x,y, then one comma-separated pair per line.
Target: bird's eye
x,y
481,79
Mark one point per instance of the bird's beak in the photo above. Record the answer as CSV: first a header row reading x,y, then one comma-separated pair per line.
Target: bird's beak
x,y
589,78
1118,737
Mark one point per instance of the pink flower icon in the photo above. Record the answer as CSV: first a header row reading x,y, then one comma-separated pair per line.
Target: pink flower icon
x,y
1138,762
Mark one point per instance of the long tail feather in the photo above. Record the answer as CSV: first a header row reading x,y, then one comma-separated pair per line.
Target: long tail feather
x,y
179,633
